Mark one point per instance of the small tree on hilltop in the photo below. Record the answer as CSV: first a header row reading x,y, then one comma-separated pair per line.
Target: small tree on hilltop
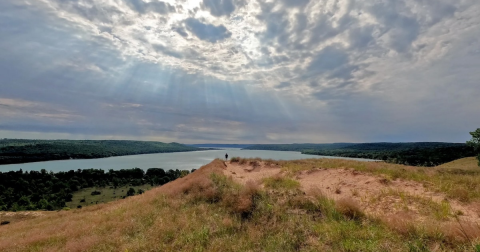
x,y
475,143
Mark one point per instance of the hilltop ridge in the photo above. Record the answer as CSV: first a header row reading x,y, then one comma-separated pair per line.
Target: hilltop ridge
x,y
266,205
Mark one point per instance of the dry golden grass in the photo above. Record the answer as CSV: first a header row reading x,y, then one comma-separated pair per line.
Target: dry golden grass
x,y
469,163
350,208
206,211
402,222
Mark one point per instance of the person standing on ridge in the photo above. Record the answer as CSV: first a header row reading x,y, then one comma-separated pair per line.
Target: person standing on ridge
x,y
226,156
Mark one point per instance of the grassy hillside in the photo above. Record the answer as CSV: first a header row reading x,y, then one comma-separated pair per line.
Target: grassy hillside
x,y
469,163
207,211
23,151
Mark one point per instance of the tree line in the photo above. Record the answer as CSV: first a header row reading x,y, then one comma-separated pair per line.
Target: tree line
x,y
22,150
475,143
42,190
413,156
416,154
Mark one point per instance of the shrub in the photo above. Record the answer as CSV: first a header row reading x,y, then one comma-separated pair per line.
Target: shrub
x,y
302,202
96,193
460,193
234,160
254,163
4,223
242,161
131,192
79,206
140,191
349,208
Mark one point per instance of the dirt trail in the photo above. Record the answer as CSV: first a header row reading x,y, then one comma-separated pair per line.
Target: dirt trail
x,y
376,195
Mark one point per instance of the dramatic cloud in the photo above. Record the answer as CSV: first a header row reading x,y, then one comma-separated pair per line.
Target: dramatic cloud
x,y
219,7
207,32
240,70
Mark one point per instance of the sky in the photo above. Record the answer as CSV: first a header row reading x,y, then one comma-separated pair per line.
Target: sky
x,y
240,71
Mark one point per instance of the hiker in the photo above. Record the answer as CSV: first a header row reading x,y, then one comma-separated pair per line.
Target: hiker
x,y
226,156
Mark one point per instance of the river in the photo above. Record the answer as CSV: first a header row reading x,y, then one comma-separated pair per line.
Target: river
x,y
177,160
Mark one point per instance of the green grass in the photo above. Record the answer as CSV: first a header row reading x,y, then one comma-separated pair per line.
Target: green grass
x,y
108,194
279,182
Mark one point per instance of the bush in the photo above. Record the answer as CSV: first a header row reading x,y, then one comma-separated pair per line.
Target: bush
x,y
140,191
234,160
4,223
131,192
96,193
79,206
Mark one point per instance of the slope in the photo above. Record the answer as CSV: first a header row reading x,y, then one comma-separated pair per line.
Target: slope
x,y
208,211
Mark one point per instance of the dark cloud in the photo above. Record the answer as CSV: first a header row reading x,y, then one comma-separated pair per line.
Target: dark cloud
x,y
333,61
220,7
153,6
295,3
207,32
361,37
283,85
181,31
398,22
90,10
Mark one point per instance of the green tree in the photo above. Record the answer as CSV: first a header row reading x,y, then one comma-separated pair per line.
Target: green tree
x,y
475,143
131,192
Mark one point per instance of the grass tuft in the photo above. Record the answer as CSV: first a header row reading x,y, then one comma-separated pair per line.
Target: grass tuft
x,y
349,208
281,182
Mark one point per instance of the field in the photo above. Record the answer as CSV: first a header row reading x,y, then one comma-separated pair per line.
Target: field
x,y
108,194
306,205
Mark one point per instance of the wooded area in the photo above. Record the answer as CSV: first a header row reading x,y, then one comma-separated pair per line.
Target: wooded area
x,y
37,190
416,154
23,151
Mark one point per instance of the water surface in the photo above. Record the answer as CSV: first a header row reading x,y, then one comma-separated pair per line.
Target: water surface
x,y
177,160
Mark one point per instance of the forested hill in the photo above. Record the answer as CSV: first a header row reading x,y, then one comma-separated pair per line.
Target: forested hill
x,y
23,151
417,154
297,147
220,145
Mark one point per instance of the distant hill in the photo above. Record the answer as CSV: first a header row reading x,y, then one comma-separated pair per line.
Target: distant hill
x,y
220,145
25,150
298,146
416,153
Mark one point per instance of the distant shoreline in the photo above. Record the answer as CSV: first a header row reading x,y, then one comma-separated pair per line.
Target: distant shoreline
x,y
19,151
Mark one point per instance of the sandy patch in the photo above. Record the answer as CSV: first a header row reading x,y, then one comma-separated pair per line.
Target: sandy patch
x,y
243,173
377,195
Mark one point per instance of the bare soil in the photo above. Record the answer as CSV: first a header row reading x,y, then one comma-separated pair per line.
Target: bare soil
x,y
377,196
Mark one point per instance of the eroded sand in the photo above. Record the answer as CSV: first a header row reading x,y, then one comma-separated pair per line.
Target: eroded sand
x,y
376,195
